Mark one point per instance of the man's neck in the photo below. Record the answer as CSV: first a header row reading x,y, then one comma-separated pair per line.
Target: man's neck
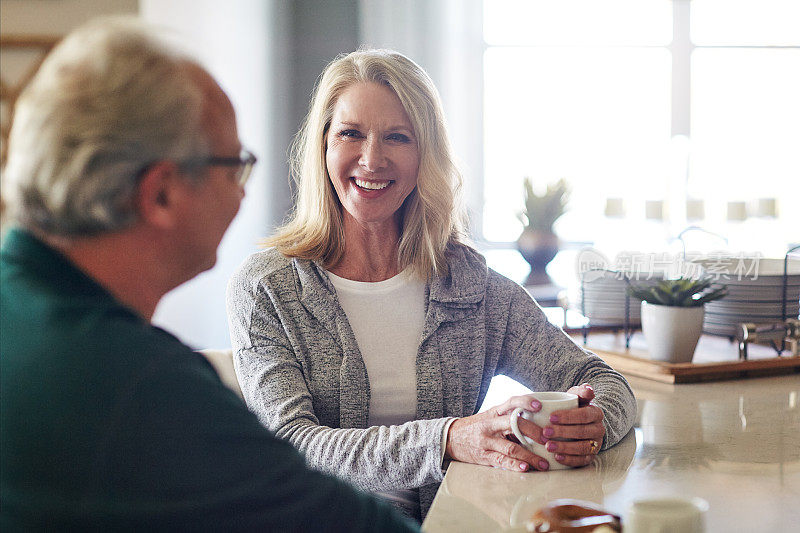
x,y
123,263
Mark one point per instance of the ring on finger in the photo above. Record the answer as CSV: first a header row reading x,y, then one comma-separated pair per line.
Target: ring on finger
x,y
595,447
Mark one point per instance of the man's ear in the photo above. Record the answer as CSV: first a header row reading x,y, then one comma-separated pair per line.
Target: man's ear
x,y
157,193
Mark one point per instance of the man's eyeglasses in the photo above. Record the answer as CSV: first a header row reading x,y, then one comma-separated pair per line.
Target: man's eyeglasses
x,y
244,162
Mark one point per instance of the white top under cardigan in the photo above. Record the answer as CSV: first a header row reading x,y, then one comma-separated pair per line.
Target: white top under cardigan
x,y
387,318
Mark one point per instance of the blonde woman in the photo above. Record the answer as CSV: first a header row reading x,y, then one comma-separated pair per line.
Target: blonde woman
x,y
368,332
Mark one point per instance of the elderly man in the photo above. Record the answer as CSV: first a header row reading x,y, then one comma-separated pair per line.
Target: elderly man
x,y
124,171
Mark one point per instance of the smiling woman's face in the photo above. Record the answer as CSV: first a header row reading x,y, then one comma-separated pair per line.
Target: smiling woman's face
x,y
372,155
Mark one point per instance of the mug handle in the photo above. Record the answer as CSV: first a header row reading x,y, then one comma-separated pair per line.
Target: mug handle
x,y
523,439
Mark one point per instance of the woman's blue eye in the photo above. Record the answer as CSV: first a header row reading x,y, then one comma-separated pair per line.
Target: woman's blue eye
x,y
349,133
399,137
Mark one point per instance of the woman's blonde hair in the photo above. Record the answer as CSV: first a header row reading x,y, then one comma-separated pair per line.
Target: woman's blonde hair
x,y
432,215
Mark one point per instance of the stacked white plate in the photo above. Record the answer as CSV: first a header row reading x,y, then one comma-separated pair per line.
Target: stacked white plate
x,y
755,293
602,299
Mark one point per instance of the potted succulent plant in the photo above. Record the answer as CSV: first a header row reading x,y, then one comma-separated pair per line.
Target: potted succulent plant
x,y
537,243
672,315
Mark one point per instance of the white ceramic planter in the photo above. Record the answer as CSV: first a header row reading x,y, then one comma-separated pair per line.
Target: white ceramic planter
x,y
671,332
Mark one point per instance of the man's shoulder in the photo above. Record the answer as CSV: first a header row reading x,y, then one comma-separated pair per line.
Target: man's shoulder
x,y
90,341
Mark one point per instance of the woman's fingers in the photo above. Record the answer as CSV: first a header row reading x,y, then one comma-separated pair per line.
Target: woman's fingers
x,y
529,429
578,447
585,393
511,456
574,460
573,453
514,455
593,431
579,415
526,401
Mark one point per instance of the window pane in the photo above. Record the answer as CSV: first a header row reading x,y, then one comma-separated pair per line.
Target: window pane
x,y
745,22
598,117
575,22
746,126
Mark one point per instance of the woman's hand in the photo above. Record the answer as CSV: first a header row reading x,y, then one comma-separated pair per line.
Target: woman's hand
x,y
584,424
482,439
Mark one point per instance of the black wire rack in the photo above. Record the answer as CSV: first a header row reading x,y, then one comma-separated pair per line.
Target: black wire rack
x,y
789,252
626,325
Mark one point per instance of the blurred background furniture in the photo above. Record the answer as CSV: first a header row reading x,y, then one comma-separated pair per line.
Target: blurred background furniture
x,y
222,361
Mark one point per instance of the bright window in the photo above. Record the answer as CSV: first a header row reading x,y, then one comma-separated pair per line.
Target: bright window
x,y
745,122
643,100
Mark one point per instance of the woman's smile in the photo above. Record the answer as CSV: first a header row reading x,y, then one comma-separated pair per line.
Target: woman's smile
x,y
372,185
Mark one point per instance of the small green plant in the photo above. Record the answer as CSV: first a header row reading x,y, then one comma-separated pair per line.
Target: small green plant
x,y
681,292
541,211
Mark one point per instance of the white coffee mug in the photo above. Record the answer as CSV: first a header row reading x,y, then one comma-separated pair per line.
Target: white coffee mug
x,y
666,515
551,401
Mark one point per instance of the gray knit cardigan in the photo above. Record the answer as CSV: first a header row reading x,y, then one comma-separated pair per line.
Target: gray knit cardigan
x,y
302,374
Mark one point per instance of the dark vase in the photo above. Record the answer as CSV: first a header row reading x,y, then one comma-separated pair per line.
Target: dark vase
x,y
538,248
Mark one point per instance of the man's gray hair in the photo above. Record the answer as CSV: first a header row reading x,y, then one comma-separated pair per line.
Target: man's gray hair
x,y
110,100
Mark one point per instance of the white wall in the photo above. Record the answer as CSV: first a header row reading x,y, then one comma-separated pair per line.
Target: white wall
x,y
236,42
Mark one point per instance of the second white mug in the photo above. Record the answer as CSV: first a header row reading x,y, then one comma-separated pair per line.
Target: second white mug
x,y
551,401
667,515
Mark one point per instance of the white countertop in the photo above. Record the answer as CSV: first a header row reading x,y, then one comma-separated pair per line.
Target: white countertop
x,y
734,443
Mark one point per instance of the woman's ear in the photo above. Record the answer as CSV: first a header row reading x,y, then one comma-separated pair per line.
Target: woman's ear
x,y
156,194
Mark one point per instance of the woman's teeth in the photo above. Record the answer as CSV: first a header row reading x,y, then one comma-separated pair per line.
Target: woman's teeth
x,y
372,185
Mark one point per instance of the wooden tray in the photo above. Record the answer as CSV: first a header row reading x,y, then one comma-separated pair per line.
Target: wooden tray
x,y
716,358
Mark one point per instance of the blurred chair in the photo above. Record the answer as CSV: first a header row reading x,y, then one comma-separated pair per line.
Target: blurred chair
x,y
222,361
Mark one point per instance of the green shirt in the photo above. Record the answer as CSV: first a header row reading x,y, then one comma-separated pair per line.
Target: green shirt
x,y
111,423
